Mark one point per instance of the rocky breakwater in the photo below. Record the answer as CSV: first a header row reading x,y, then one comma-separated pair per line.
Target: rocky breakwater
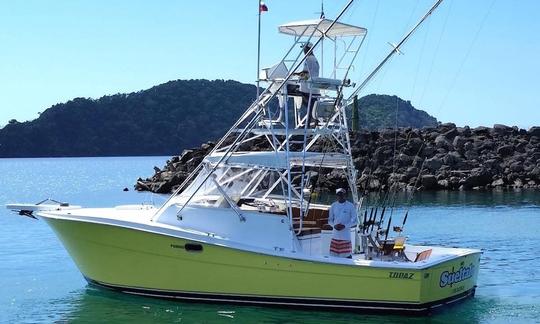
x,y
445,157
449,158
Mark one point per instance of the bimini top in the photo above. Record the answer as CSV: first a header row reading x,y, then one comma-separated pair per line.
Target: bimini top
x,y
278,160
320,26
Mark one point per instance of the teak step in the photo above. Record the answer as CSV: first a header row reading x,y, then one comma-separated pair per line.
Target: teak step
x,y
309,231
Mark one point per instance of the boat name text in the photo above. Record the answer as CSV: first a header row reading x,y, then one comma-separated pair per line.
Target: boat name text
x,y
452,277
401,275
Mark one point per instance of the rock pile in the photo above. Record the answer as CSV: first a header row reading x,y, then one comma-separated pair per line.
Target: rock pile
x,y
445,157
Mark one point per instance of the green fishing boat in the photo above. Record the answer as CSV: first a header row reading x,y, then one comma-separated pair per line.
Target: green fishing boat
x,y
246,226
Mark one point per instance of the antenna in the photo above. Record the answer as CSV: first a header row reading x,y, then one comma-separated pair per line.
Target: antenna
x,y
259,8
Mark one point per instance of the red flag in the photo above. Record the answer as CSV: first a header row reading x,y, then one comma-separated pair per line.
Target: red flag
x,y
262,7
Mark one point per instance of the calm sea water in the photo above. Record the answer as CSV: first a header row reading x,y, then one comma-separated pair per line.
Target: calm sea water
x,y
39,282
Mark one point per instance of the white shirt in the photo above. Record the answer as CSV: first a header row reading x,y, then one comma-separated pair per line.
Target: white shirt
x,y
342,213
311,66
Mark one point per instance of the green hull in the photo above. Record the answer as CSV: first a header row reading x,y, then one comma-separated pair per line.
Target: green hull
x,y
154,264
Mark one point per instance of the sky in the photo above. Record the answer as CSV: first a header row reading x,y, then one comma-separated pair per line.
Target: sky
x,y
472,63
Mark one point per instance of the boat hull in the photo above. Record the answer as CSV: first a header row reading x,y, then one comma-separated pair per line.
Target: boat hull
x,y
153,264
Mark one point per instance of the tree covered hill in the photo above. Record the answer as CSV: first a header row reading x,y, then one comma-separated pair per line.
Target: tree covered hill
x,y
161,120
379,111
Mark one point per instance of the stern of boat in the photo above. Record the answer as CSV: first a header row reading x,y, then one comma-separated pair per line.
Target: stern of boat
x,y
452,280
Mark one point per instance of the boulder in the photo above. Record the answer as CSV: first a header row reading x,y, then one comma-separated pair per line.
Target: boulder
x,y
413,146
459,142
206,146
471,155
374,184
452,158
534,131
500,129
429,182
447,125
411,172
404,160
536,173
521,146
442,142
497,183
478,177
492,164
388,133
359,163
434,163
186,156
433,135
505,150
481,130
428,151
516,166
451,133
464,131
518,183
486,144
444,184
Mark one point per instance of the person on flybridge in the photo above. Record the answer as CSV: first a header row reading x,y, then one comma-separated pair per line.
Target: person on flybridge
x,y
310,70
342,217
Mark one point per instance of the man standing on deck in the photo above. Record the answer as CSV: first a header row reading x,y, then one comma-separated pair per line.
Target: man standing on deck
x,y
342,217
310,70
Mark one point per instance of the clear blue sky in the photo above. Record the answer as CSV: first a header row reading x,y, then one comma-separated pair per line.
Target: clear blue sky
x,y
474,62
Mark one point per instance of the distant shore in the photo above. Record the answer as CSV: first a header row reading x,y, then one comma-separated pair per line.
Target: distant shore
x,y
445,157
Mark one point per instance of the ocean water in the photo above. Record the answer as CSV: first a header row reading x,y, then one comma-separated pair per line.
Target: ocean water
x,y
40,284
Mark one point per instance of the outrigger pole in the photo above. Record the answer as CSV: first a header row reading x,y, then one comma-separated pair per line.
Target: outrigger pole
x,y
395,49
258,46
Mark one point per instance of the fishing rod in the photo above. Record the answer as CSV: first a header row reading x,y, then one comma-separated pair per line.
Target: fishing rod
x,y
364,222
381,219
370,220
365,225
395,49
374,211
404,221
388,228
385,199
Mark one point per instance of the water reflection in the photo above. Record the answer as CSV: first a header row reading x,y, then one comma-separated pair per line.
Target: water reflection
x,y
492,198
514,198
92,305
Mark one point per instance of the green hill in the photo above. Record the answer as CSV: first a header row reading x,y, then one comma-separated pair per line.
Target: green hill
x,y
379,111
161,120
